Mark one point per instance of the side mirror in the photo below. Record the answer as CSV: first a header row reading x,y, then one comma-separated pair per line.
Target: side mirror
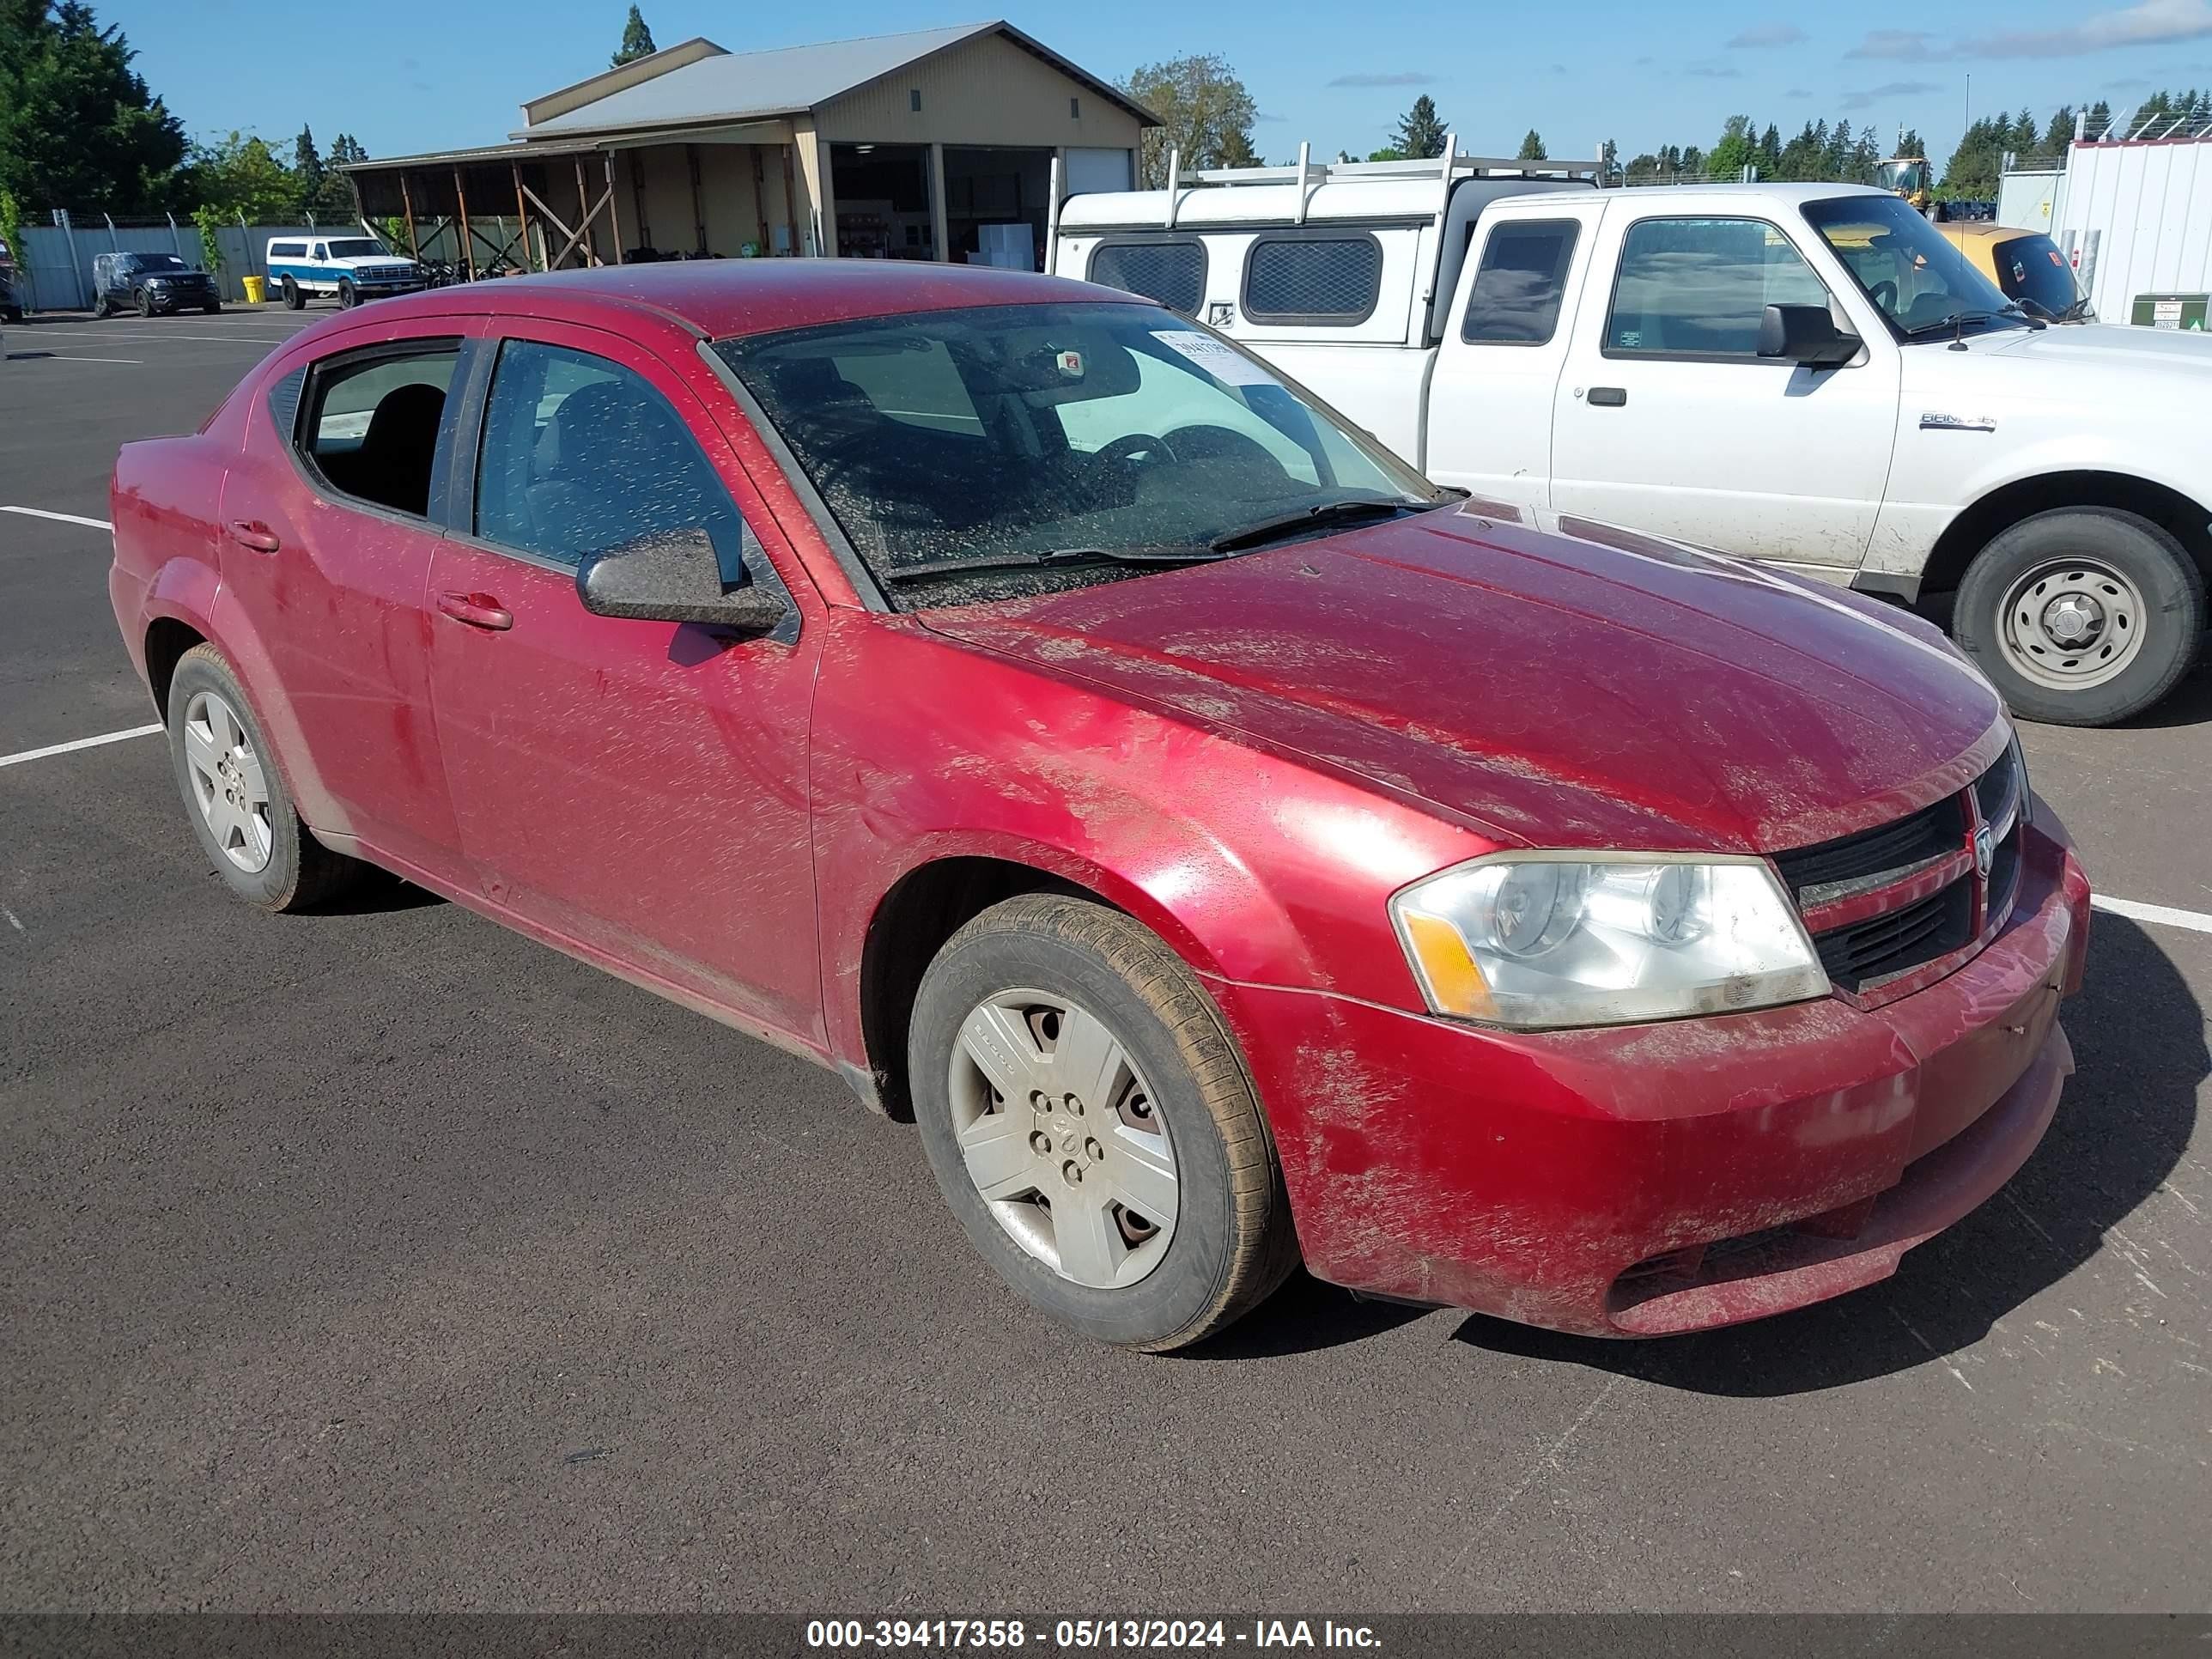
x,y
1806,335
673,576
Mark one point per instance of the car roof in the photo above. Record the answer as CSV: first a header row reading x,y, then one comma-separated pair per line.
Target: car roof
x,y
718,297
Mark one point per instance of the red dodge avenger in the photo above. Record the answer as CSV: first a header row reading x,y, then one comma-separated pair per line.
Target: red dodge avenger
x,y
1230,850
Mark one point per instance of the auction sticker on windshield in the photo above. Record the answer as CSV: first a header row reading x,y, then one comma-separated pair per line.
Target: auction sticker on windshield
x,y
1230,368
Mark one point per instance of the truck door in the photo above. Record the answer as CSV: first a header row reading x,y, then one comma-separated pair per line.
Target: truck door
x,y
1490,402
1667,420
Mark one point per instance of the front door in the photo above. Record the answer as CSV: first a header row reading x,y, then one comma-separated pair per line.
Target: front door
x,y
638,788
1667,420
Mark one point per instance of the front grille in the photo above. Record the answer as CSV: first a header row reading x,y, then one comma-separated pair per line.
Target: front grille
x,y
1929,833
1864,952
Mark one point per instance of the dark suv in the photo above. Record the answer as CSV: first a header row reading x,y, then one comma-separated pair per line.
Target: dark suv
x,y
150,282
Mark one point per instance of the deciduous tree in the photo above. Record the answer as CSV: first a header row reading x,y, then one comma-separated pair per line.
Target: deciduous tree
x,y
78,126
1206,110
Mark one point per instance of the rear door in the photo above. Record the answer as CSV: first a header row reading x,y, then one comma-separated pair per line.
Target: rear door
x,y
329,516
1667,420
1490,402
638,789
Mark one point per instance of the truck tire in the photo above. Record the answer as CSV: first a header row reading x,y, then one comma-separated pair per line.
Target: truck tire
x,y
236,796
2081,616
145,303
348,295
1106,1086
100,309
293,298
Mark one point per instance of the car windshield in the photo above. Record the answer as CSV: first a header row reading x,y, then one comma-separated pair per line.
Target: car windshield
x,y
355,247
152,262
962,452
1922,284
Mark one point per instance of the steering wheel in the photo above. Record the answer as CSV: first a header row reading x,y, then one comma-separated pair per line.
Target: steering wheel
x,y
1889,304
1130,445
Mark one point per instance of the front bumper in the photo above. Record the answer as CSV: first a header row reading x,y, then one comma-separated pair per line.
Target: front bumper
x,y
188,299
1644,1180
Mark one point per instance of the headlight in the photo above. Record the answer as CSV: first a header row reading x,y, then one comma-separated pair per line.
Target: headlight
x,y
1552,939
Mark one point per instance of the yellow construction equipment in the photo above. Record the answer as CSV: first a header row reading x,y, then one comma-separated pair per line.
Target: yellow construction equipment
x,y
1908,176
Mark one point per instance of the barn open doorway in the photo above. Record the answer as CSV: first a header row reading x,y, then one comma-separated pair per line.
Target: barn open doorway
x,y
994,206
881,193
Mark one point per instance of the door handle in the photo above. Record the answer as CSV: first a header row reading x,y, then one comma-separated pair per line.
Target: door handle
x,y
252,533
1609,397
477,610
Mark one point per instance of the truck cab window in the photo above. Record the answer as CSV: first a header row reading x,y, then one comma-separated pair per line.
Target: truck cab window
x,y
1519,283
1697,288
372,425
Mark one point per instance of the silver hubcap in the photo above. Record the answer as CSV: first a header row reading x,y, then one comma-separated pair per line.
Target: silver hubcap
x,y
229,786
1061,1138
2071,623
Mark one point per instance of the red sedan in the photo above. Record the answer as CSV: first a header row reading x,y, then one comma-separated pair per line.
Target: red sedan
x,y
1229,849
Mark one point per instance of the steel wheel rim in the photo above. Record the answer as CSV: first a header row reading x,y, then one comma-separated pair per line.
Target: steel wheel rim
x,y
229,787
2071,623
1058,1130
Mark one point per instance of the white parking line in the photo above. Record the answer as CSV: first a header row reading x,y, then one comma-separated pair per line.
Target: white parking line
x,y
69,357
238,339
62,518
2195,921
79,743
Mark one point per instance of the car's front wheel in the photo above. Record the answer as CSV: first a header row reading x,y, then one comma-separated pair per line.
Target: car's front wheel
x,y
2081,616
145,303
236,796
1092,1127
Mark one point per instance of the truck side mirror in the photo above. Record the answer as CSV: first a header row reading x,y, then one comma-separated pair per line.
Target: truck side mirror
x,y
1806,335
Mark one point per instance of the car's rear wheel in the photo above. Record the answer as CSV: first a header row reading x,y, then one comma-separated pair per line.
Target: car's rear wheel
x,y
293,298
2081,616
1092,1127
348,295
100,308
235,795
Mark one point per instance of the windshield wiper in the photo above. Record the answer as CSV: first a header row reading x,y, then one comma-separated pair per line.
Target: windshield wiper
x,y
1307,517
1049,559
1957,321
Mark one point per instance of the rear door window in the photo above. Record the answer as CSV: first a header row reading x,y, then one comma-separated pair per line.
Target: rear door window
x,y
372,420
1520,282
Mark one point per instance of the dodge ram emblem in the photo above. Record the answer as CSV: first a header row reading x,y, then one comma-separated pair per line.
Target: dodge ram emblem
x,y
1985,850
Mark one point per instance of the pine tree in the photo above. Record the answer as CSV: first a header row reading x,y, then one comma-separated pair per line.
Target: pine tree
x,y
636,41
78,126
1532,148
307,175
1421,134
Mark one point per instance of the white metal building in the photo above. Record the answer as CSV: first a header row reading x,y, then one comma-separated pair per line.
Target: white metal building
x,y
2136,219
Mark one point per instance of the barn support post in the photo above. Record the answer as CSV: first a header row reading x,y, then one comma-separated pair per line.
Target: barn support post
x,y
614,207
584,217
790,203
638,199
760,202
468,246
698,197
522,210
407,202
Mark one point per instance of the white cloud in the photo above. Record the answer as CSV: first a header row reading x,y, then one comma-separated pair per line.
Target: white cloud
x,y
2154,22
1769,34
1903,44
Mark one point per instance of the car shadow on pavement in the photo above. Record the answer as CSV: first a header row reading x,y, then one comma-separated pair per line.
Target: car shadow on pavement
x,y
2190,704
1303,1317
2123,1122
378,893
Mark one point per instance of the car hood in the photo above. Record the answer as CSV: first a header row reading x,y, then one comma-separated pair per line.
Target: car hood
x,y
1557,683
2107,345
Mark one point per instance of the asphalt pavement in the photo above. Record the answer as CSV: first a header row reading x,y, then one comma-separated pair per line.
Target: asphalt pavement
x,y
381,1259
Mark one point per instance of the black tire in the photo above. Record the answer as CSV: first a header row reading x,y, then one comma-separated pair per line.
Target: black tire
x,y
300,871
348,295
1232,1243
213,307
145,303
293,298
2146,554
100,309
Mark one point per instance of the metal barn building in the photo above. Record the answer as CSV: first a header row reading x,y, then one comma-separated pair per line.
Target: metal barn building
x,y
937,144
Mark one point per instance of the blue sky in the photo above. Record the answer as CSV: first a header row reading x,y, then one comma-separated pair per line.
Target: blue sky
x,y
411,74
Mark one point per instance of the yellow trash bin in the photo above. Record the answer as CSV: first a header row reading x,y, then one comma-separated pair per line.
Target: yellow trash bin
x,y
257,289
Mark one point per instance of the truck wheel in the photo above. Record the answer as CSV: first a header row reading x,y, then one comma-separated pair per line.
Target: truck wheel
x,y
293,298
236,796
100,309
145,303
2081,616
1092,1127
348,296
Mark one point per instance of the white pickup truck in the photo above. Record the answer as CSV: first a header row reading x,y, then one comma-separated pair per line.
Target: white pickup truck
x,y
1807,374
